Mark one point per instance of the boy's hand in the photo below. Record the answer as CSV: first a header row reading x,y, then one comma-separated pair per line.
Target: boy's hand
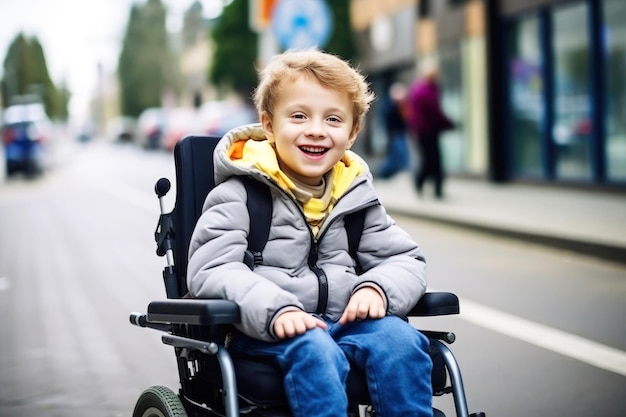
x,y
365,303
292,323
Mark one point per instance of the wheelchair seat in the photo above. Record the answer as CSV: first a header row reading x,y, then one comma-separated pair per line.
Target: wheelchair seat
x,y
212,382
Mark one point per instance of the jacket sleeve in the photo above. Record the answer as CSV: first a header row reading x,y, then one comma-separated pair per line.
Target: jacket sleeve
x,y
216,269
392,261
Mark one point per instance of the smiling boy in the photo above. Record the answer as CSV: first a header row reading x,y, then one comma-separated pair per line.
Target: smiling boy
x,y
305,306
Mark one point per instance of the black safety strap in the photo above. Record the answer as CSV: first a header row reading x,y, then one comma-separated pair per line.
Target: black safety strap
x,y
259,204
353,223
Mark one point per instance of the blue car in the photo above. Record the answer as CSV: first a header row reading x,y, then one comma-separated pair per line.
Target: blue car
x,y
24,134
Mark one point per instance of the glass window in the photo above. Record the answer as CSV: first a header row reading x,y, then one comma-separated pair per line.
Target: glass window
x,y
571,132
614,32
526,97
453,142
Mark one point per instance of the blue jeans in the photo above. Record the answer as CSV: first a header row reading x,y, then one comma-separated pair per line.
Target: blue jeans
x,y
316,364
398,156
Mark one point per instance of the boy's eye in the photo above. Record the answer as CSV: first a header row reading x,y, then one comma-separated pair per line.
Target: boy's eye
x,y
298,116
334,119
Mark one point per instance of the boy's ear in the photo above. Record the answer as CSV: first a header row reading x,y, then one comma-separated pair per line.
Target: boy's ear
x,y
266,123
353,136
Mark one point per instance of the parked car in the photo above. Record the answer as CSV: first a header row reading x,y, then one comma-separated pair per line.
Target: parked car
x,y
221,116
213,118
151,126
26,131
181,122
122,129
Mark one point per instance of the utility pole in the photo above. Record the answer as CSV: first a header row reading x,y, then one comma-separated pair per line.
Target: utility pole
x,y
260,20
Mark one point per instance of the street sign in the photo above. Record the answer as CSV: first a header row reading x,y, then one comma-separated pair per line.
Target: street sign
x,y
261,14
302,23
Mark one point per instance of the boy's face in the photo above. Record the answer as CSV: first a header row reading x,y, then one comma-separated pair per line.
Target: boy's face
x,y
311,129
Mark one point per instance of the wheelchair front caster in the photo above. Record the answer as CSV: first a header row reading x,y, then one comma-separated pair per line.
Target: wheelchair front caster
x,y
159,401
481,414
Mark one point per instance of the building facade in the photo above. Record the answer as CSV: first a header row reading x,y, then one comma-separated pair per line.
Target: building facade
x,y
538,87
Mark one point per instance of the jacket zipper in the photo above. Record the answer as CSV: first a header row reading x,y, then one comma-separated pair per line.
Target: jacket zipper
x,y
322,279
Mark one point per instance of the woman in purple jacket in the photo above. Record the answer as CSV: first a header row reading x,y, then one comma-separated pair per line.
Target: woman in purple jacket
x,y
426,121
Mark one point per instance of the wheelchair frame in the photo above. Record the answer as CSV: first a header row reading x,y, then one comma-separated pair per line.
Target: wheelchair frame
x,y
179,317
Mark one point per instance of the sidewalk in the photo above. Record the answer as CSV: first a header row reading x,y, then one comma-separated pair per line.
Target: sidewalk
x,y
588,222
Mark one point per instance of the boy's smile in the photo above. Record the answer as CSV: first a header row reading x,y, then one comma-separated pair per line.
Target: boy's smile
x,y
311,128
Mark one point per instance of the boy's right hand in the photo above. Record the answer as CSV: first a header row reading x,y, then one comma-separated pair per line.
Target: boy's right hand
x,y
293,323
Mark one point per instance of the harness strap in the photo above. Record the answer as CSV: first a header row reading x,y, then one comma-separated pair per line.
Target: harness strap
x,y
259,204
353,224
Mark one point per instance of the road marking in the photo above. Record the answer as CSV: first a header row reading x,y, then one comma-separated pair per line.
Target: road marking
x,y
585,350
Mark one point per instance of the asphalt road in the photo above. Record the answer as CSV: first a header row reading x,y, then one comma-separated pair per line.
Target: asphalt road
x,y
77,256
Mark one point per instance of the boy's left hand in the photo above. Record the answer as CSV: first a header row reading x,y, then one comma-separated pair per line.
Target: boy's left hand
x,y
365,303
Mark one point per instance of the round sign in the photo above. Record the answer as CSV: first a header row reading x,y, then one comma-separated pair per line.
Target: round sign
x,y
301,24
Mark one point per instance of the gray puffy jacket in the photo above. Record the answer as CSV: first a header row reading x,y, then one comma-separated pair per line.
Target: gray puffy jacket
x,y
391,260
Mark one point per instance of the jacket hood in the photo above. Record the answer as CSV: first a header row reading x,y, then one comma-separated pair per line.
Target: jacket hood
x,y
231,158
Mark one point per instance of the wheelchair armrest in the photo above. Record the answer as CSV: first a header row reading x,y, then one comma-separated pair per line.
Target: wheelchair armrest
x,y
194,311
436,304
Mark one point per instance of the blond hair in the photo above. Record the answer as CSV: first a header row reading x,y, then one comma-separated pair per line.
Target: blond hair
x,y
329,70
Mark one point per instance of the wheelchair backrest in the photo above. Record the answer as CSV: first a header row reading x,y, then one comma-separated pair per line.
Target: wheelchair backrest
x,y
193,159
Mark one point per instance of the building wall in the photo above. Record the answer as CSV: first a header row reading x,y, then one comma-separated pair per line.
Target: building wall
x,y
472,40
454,35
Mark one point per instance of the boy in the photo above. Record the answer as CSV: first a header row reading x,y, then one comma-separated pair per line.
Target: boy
x,y
304,305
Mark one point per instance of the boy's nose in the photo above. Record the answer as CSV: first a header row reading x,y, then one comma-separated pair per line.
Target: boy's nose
x,y
316,129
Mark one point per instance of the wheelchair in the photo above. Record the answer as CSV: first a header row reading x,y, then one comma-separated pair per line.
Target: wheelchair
x,y
212,382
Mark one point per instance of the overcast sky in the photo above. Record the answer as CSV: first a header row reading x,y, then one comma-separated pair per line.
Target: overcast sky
x,y
76,35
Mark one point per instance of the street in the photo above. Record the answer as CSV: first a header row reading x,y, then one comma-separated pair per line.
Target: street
x,y
77,256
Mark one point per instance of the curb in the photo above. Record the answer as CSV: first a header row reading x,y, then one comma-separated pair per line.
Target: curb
x,y
604,251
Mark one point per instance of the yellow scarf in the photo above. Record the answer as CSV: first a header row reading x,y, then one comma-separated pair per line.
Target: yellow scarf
x,y
261,154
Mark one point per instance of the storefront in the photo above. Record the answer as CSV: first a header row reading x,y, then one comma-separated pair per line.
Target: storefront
x,y
564,91
392,38
537,87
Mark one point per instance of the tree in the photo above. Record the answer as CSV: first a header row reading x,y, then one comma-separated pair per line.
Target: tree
x,y
146,68
341,42
233,63
194,27
26,74
236,52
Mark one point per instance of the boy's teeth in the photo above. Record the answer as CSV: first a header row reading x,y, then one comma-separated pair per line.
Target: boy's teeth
x,y
312,149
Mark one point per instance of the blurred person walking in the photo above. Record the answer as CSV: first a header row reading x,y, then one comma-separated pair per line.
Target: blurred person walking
x,y
426,120
397,154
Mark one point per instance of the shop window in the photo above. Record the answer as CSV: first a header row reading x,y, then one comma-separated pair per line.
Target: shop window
x,y
526,97
614,33
553,131
453,142
572,130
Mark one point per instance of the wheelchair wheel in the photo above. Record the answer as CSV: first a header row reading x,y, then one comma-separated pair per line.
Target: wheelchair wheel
x,y
159,401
